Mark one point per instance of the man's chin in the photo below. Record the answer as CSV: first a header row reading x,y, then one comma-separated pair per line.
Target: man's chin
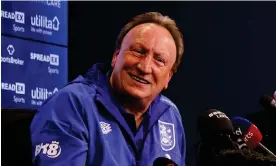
x,y
138,94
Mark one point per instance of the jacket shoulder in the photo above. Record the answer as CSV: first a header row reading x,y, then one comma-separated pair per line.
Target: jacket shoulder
x,y
78,90
167,101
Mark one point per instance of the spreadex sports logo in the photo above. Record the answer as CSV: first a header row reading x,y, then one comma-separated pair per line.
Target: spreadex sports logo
x,y
52,59
18,17
18,88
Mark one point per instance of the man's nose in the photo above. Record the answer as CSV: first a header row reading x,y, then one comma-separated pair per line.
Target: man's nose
x,y
145,64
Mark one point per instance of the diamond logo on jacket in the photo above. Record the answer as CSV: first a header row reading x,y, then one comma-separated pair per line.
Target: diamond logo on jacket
x,y
106,128
167,135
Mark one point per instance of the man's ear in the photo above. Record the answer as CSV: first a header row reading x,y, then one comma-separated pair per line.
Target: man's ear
x,y
169,79
114,58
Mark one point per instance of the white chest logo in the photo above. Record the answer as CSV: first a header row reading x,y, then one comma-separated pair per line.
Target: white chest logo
x,y
106,128
167,135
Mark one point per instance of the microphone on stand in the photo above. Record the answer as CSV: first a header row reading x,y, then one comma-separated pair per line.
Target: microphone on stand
x,y
217,132
163,161
251,134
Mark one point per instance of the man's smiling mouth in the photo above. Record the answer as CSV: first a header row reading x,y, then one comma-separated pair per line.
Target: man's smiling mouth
x,y
138,79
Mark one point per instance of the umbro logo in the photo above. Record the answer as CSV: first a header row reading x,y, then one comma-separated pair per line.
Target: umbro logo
x,y
106,128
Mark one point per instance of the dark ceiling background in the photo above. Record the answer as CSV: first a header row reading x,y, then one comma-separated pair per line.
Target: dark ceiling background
x,y
229,59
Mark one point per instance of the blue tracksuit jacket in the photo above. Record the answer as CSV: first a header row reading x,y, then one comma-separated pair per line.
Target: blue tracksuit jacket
x,y
82,125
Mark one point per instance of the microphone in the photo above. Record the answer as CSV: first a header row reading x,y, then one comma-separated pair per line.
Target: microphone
x,y
216,132
251,134
216,129
268,102
163,161
214,123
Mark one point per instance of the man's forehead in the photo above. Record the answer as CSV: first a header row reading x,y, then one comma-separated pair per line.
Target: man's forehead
x,y
147,29
143,28
144,32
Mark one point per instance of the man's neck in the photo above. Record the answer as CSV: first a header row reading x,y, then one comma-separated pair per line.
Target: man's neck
x,y
135,107
131,105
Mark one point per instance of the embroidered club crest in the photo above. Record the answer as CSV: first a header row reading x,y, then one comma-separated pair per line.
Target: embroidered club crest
x,y
167,135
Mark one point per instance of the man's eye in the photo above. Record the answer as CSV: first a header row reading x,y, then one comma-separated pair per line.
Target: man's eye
x,y
160,60
140,51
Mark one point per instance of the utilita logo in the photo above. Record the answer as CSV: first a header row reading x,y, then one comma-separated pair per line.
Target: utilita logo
x,y
44,22
42,93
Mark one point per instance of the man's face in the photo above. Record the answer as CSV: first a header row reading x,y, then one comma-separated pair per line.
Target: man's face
x,y
143,65
274,95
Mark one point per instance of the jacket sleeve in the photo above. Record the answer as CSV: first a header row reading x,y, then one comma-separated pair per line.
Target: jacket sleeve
x,y
183,152
59,134
183,144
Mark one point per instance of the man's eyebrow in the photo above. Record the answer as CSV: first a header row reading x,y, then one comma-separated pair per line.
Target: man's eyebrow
x,y
140,45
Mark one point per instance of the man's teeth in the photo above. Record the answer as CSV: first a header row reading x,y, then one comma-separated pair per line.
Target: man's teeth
x,y
139,80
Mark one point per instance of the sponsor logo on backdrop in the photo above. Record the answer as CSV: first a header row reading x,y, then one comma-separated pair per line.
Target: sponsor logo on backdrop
x,y
9,57
10,49
44,25
39,94
18,17
50,3
51,59
18,88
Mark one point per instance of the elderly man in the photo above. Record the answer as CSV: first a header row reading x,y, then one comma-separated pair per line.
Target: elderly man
x,y
115,114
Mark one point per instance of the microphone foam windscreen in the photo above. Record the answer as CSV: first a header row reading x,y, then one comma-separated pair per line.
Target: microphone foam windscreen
x,y
241,123
251,134
214,123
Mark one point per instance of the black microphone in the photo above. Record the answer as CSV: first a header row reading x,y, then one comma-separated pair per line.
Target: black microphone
x,y
268,102
163,161
216,130
212,124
